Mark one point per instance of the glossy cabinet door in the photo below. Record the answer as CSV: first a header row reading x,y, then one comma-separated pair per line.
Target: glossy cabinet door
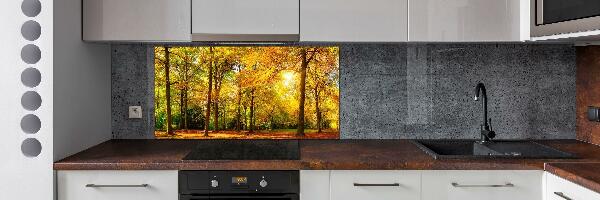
x,y
245,20
469,20
117,185
482,184
136,20
560,189
354,20
314,184
375,184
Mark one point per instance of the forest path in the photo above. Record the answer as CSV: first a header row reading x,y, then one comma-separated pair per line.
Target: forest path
x,y
261,134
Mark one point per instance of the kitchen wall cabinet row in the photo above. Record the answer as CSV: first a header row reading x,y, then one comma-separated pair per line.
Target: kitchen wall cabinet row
x,y
307,20
341,185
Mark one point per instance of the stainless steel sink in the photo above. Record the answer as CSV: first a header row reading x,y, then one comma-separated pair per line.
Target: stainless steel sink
x,y
467,149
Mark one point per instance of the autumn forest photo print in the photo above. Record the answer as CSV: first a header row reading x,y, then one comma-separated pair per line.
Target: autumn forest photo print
x,y
237,92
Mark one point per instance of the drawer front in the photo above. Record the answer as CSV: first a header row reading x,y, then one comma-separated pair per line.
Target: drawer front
x,y
560,189
380,185
482,184
314,184
117,185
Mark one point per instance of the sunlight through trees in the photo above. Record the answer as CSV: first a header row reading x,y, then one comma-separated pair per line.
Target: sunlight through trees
x,y
246,92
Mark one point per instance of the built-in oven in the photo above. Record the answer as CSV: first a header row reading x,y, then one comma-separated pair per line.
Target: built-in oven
x,y
238,185
552,17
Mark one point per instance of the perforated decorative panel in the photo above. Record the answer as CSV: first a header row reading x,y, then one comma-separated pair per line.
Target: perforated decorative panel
x,y
26,99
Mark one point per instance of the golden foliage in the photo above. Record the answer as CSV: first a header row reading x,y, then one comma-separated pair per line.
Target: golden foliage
x,y
261,78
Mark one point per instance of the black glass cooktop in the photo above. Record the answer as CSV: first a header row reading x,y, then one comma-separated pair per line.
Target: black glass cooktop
x,y
245,150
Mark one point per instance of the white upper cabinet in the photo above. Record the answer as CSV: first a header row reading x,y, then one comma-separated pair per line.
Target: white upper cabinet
x,y
245,20
307,20
354,20
136,20
469,20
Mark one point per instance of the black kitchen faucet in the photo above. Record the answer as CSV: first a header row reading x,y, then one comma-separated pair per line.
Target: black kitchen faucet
x,y
487,134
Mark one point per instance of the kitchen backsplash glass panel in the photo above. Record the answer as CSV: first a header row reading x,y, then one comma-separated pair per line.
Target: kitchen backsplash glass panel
x,y
405,91
246,92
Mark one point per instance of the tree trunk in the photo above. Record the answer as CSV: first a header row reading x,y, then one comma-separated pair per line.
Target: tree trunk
x,y
181,119
272,121
185,97
168,90
224,116
185,109
252,110
208,98
238,114
216,117
317,109
302,88
157,104
216,103
245,124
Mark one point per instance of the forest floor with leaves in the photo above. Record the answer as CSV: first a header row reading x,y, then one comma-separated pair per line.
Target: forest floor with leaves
x,y
259,134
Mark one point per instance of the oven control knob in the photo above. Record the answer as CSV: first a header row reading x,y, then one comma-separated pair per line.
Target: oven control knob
x,y
263,183
214,183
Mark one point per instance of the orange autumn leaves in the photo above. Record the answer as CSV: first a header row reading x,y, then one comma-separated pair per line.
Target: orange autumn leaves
x,y
254,91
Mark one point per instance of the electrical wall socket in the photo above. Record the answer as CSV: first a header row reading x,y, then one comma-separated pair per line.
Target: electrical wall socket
x,y
135,112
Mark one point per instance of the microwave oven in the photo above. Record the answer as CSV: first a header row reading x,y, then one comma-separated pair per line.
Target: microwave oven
x,y
554,17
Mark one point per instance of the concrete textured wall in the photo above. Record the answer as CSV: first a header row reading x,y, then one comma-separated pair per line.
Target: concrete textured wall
x,y
132,85
391,91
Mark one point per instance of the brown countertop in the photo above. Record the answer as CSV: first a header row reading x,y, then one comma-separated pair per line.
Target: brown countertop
x,y
331,155
315,154
584,174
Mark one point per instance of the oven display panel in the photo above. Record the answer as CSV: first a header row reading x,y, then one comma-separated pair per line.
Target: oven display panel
x,y
239,180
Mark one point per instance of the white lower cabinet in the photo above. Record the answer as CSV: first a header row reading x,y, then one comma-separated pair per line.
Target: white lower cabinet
x,y
560,189
379,185
421,185
314,184
341,185
117,185
482,184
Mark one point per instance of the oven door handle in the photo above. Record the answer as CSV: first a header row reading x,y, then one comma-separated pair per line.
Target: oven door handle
x,y
376,184
91,185
239,196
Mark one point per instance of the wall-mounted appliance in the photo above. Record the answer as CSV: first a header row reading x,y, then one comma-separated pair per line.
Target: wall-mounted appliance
x,y
564,18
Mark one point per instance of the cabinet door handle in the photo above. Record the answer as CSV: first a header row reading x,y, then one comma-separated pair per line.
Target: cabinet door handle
x,y
474,186
115,186
562,195
376,185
